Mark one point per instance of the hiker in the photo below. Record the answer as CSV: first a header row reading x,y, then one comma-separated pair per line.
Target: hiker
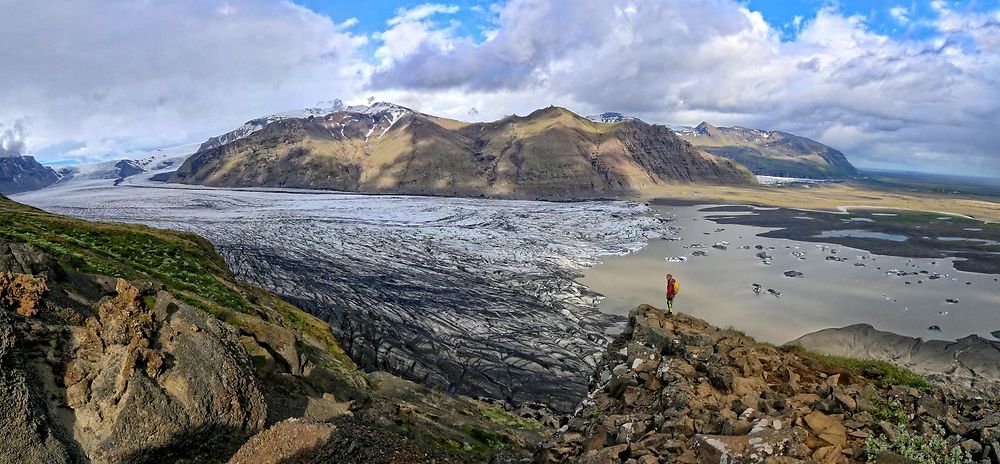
x,y
672,289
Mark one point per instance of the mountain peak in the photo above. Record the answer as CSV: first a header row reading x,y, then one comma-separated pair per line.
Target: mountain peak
x,y
378,108
610,117
705,128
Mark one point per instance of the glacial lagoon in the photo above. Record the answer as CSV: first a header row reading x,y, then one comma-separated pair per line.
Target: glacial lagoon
x,y
839,285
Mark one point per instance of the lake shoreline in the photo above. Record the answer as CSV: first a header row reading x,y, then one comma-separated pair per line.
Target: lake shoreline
x,y
627,281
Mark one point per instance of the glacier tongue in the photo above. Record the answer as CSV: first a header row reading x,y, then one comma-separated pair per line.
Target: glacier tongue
x,y
477,294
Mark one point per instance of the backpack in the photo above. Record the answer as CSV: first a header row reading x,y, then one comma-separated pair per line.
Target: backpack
x,y
677,287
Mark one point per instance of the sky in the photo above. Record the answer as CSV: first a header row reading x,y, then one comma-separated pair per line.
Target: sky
x,y
909,85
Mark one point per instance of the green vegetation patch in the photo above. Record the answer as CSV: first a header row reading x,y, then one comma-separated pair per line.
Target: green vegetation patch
x,y
492,440
185,263
923,449
501,417
886,373
891,412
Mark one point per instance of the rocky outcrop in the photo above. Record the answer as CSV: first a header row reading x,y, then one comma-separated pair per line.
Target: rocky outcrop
x,y
111,370
675,389
550,154
157,380
284,441
972,362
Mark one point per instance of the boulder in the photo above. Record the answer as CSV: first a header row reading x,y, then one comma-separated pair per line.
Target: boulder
x,y
752,448
609,455
829,429
131,402
283,442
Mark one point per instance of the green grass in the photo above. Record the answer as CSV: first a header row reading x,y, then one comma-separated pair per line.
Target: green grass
x,y
503,418
491,439
888,374
185,263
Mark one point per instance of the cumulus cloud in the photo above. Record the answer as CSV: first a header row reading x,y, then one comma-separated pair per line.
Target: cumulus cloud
x,y
884,100
12,140
99,78
102,79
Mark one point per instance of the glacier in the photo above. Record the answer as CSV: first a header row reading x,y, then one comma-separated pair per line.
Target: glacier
x,y
471,295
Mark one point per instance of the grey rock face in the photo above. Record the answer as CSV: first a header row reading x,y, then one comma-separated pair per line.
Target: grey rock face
x,y
135,382
134,401
23,173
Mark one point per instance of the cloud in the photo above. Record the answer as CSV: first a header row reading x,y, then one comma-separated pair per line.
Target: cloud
x,y
928,102
900,14
96,86
421,12
121,75
12,140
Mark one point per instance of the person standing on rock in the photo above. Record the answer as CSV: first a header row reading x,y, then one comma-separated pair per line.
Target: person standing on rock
x,y
672,288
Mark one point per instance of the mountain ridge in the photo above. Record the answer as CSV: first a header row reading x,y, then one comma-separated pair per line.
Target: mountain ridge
x,y
551,153
771,152
24,173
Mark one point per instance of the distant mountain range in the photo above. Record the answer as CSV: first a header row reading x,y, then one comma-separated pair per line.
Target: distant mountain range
x,y
550,154
771,153
165,159
22,173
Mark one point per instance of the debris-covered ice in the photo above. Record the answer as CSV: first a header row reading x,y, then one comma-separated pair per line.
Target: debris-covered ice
x,y
478,294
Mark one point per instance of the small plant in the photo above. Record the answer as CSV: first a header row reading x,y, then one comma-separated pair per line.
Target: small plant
x,y
488,438
922,449
891,412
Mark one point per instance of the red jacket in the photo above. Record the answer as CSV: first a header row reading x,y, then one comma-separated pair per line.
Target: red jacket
x,y
670,288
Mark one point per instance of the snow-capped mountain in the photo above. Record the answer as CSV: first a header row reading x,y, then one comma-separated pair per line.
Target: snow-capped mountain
x,y
391,149
610,117
379,118
164,159
743,134
256,124
356,121
375,115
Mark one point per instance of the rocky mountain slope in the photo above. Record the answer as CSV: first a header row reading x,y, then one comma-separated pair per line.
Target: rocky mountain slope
x,y
23,174
770,153
123,343
674,389
549,154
